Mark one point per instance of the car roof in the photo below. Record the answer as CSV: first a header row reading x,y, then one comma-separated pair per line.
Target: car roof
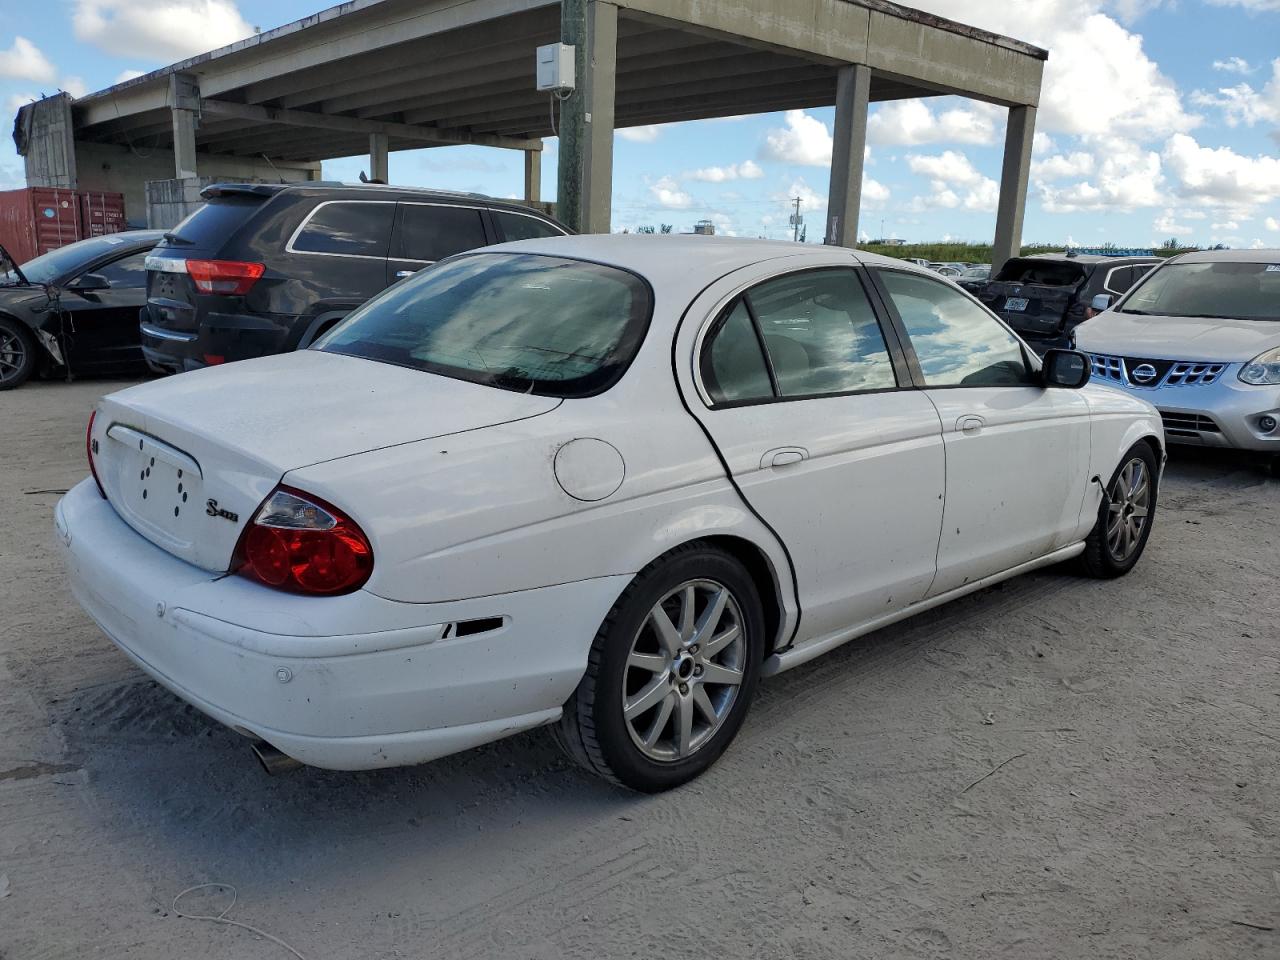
x,y
659,256
322,188
1265,255
1091,259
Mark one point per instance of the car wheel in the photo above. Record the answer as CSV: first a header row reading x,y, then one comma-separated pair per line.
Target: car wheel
x,y
670,674
17,354
1124,516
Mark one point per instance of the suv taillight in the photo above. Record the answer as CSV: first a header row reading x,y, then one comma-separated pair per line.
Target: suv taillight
x,y
299,543
90,448
228,277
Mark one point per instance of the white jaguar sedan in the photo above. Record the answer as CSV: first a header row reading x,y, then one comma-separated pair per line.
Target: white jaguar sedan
x,y
600,482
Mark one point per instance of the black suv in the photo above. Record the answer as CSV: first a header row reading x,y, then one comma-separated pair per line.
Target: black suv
x,y
267,268
1045,297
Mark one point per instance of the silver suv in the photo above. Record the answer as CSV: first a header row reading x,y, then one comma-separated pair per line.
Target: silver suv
x,y
1199,337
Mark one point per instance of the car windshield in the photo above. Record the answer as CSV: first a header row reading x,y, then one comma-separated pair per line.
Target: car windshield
x,y
63,262
524,322
1219,289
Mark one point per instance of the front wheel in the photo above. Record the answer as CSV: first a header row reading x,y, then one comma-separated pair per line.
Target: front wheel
x,y
670,674
17,354
1124,517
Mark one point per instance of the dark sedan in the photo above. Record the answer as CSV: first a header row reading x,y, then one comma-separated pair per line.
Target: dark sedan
x,y
75,309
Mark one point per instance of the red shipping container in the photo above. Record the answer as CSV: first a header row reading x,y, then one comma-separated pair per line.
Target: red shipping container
x,y
35,220
100,213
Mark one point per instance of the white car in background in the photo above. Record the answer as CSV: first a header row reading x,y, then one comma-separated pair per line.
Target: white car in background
x,y
1199,337
601,482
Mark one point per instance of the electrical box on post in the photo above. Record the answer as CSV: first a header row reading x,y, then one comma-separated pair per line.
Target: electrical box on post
x,y
556,66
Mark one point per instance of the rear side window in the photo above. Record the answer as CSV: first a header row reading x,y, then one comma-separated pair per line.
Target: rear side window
x,y
958,343
429,233
213,224
516,226
535,324
347,228
733,366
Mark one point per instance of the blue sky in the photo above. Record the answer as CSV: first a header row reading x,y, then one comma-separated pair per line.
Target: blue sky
x,y
1160,118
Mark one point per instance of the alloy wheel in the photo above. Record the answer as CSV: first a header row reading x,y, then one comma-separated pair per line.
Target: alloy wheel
x,y
1128,510
684,670
13,355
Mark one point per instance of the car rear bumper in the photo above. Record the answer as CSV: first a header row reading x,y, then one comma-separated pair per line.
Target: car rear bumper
x,y
347,683
218,338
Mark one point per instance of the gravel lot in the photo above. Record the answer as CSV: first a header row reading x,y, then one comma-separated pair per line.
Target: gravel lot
x,y
1056,767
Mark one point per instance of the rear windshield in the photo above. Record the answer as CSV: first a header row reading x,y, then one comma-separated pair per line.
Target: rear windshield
x,y
525,322
213,224
1219,290
1048,273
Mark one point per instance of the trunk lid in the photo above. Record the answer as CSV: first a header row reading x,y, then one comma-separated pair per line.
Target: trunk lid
x,y
1037,296
187,460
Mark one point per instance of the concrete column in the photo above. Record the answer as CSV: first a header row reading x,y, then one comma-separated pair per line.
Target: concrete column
x,y
1014,176
853,91
585,175
378,158
533,174
184,104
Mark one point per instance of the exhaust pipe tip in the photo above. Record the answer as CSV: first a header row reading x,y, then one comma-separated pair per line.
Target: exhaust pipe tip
x,y
274,762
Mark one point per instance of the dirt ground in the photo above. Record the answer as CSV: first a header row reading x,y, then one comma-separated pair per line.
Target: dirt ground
x,y
1055,767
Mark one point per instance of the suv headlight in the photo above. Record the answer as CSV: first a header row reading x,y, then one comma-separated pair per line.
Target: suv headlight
x,y
1263,370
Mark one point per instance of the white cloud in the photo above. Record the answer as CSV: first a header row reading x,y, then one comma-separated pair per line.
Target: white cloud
x,y
912,123
669,194
747,170
953,169
1253,6
646,134
74,86
1229,225
1272,224
124,75
1098,80
160,30
16,101
810,199
1126,177
1243,104
1219,175
1233,65
1063,166
1166,225
805,141
950,166
24,61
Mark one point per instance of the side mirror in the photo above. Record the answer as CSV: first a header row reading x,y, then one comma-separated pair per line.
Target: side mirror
x,y
1101,302
1066,368
89,282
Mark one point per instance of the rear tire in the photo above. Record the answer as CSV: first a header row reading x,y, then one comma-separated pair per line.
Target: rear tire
x,y
670,674
1124,516
17,354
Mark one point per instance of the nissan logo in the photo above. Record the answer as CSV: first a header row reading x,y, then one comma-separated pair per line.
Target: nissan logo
x,y
1143,373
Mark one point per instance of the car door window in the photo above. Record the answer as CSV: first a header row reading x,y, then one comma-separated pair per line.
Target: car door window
x,y
349,228
428,232
958,343
127,272
1118,280
733,365
517,226
821,334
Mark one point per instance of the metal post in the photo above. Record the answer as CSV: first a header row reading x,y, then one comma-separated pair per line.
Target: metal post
x,y
379,163
853,91
585,175
1013,185
184,105
533,175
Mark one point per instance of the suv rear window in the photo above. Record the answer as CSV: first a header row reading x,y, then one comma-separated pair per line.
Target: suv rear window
x,y
1049,273
349,228
211,225
536,324
518,226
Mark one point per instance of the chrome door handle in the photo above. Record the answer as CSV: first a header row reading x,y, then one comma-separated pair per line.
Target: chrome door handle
x,y
783,457
970,425
401,274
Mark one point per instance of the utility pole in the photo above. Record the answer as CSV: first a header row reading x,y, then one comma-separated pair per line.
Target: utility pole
x,y
796,220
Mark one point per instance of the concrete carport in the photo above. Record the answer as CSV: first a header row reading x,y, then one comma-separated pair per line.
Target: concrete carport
x,y
383,75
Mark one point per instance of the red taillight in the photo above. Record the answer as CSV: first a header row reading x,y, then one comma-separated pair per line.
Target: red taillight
x,y
299,543
213,359
230,277
90,448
